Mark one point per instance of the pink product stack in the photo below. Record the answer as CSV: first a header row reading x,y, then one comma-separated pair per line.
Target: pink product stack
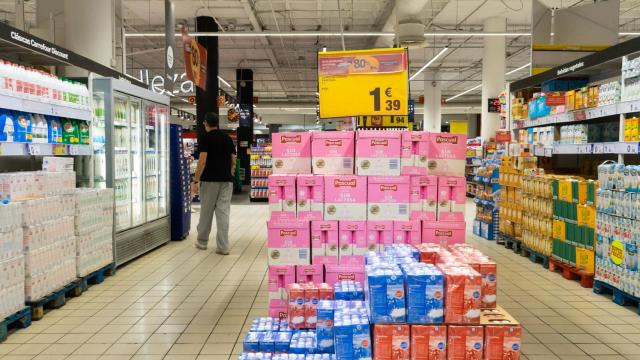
x,y
282,196
414,152
407,232
423,197
380,233
443,232
353,242
280,276
310,273
291,153
334,273
447,154
378,153
345,197
451,198
324,242
288,242
333,152
310,197
388,198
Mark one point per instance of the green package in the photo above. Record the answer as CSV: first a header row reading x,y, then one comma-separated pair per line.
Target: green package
x,y
84,135
70,132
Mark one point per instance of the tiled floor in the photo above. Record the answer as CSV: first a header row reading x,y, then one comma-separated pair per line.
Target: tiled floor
x,y
181,303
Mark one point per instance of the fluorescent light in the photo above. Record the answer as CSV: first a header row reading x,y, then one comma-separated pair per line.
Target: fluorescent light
x,y
629,33
433,59
518,69
464,92
224,81
327,34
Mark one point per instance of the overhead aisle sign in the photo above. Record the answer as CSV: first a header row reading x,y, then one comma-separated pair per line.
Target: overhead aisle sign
x,y
363,82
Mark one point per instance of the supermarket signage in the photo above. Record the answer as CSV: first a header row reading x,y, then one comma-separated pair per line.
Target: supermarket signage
x,y
40,45
363,82
383,121
616,252
195,60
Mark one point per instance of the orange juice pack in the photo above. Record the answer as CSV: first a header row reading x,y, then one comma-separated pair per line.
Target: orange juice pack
x,y
428,342
391,342
463,287
465,342
502,342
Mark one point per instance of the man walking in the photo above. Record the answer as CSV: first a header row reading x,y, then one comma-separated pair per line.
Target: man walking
x,y
216,165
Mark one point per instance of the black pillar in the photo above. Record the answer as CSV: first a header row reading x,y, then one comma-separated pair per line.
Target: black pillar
x,y
244,84
207,100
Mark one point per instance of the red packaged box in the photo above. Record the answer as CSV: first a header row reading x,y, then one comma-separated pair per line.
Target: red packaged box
x,y
428,342
311,296
463,301
296,308
325,291
489,273
391,342
502,342
464,342
428,252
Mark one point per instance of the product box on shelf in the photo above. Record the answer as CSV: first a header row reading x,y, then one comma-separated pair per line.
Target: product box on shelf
x,y
462,294
310,273
407,232
288,242
385,293
291,152
378,153
414,152
345,197
324,241
428,342
279,277
353,242
333,152
423,198
93,229
324,326
451,198
352,332
311,297
425,293
388,198
465,342
296,308
391,342
380,233
447,154
57,164
441,232
310,197
502,334
282,196
335,273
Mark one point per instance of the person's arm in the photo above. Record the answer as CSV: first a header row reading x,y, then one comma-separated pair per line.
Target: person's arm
x,y
234,158
202,160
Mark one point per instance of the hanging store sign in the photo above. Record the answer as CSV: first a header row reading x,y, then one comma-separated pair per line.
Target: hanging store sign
x,y
363,82
195,60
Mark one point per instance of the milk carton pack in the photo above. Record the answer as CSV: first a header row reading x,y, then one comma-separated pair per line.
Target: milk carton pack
x,y
310,273
349,290
384,292
282,339
335,273
296,310
291,153
446,154
345,197
378,152
465,343
425,293
251,341
451,198
353,242
502,342
443,233
407,232
311,298
267,342
324,326
391,342
352,332
310,197
282,196
462,294
279,276
324,241
488,272
388,198
428,342
423,197
303,342
288,242
414,152
380,233
333,152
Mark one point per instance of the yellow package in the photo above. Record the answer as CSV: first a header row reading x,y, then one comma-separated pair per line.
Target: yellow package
x,y
585,259
570,99
564,190
559,230
587,216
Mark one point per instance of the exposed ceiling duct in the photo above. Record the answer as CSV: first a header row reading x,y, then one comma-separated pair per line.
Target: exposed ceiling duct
x,y
405,21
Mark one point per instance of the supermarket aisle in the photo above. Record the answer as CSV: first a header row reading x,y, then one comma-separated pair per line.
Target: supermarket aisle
x,y
179,303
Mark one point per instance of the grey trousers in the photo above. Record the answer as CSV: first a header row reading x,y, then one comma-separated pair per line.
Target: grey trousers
x,y
215,197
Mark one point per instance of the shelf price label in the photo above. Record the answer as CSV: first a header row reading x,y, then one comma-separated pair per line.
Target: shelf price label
x,y
363,82
598,148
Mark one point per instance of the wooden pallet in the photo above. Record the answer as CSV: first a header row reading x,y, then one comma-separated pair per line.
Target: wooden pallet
x,y
97,277
618,296
535,257
572,273
513,244
19,320
54,300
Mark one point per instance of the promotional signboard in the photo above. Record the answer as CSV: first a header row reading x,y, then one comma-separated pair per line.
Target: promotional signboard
x,y
195,60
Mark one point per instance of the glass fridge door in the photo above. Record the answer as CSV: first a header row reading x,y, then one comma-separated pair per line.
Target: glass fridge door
x,y
137,208
151,162
122,160
162,113
99,142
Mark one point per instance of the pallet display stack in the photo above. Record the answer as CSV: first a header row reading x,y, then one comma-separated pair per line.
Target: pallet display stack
x,y
11,260
486,222
537,215
510,203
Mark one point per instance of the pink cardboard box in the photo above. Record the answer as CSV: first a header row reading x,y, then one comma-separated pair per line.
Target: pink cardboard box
x,y
345,197
423,197
444,198
353,242
335,273
279,277
282,196
415,148
291,153
333,152
454,188
278,309
324,239
443,232
447,154
310,273
288,242
380,232
407,232
310,197
388,198
325,260
378,152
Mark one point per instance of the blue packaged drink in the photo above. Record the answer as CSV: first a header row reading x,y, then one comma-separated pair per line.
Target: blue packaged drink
x,y
324,327
282,339
267,342
252,341
425,289
385,293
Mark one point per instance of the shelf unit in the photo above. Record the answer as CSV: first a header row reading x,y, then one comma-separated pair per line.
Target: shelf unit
x,y
260,163
485,223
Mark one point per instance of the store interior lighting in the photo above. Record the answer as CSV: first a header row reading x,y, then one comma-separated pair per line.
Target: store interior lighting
x,y
480,85
433,59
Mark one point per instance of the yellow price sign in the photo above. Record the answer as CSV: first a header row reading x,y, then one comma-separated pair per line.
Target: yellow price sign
x,y
616,252
363,82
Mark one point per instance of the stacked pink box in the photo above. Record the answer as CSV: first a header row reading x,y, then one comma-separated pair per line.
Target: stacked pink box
x,y
414,153
423,197
279,277
324,242
291,153
288,242
345,197
333,152
388,198
378,153
310,197
446,154
451,198
353,242
282,196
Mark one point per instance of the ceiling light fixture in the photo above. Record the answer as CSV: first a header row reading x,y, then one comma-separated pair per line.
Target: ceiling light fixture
x,y
329,34
518,69
224,81
433,59
478,86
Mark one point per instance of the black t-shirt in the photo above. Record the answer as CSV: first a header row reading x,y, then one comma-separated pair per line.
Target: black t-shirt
x,y
219,148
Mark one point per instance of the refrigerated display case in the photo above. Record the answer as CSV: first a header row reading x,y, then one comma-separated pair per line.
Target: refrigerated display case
x,y
132,158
